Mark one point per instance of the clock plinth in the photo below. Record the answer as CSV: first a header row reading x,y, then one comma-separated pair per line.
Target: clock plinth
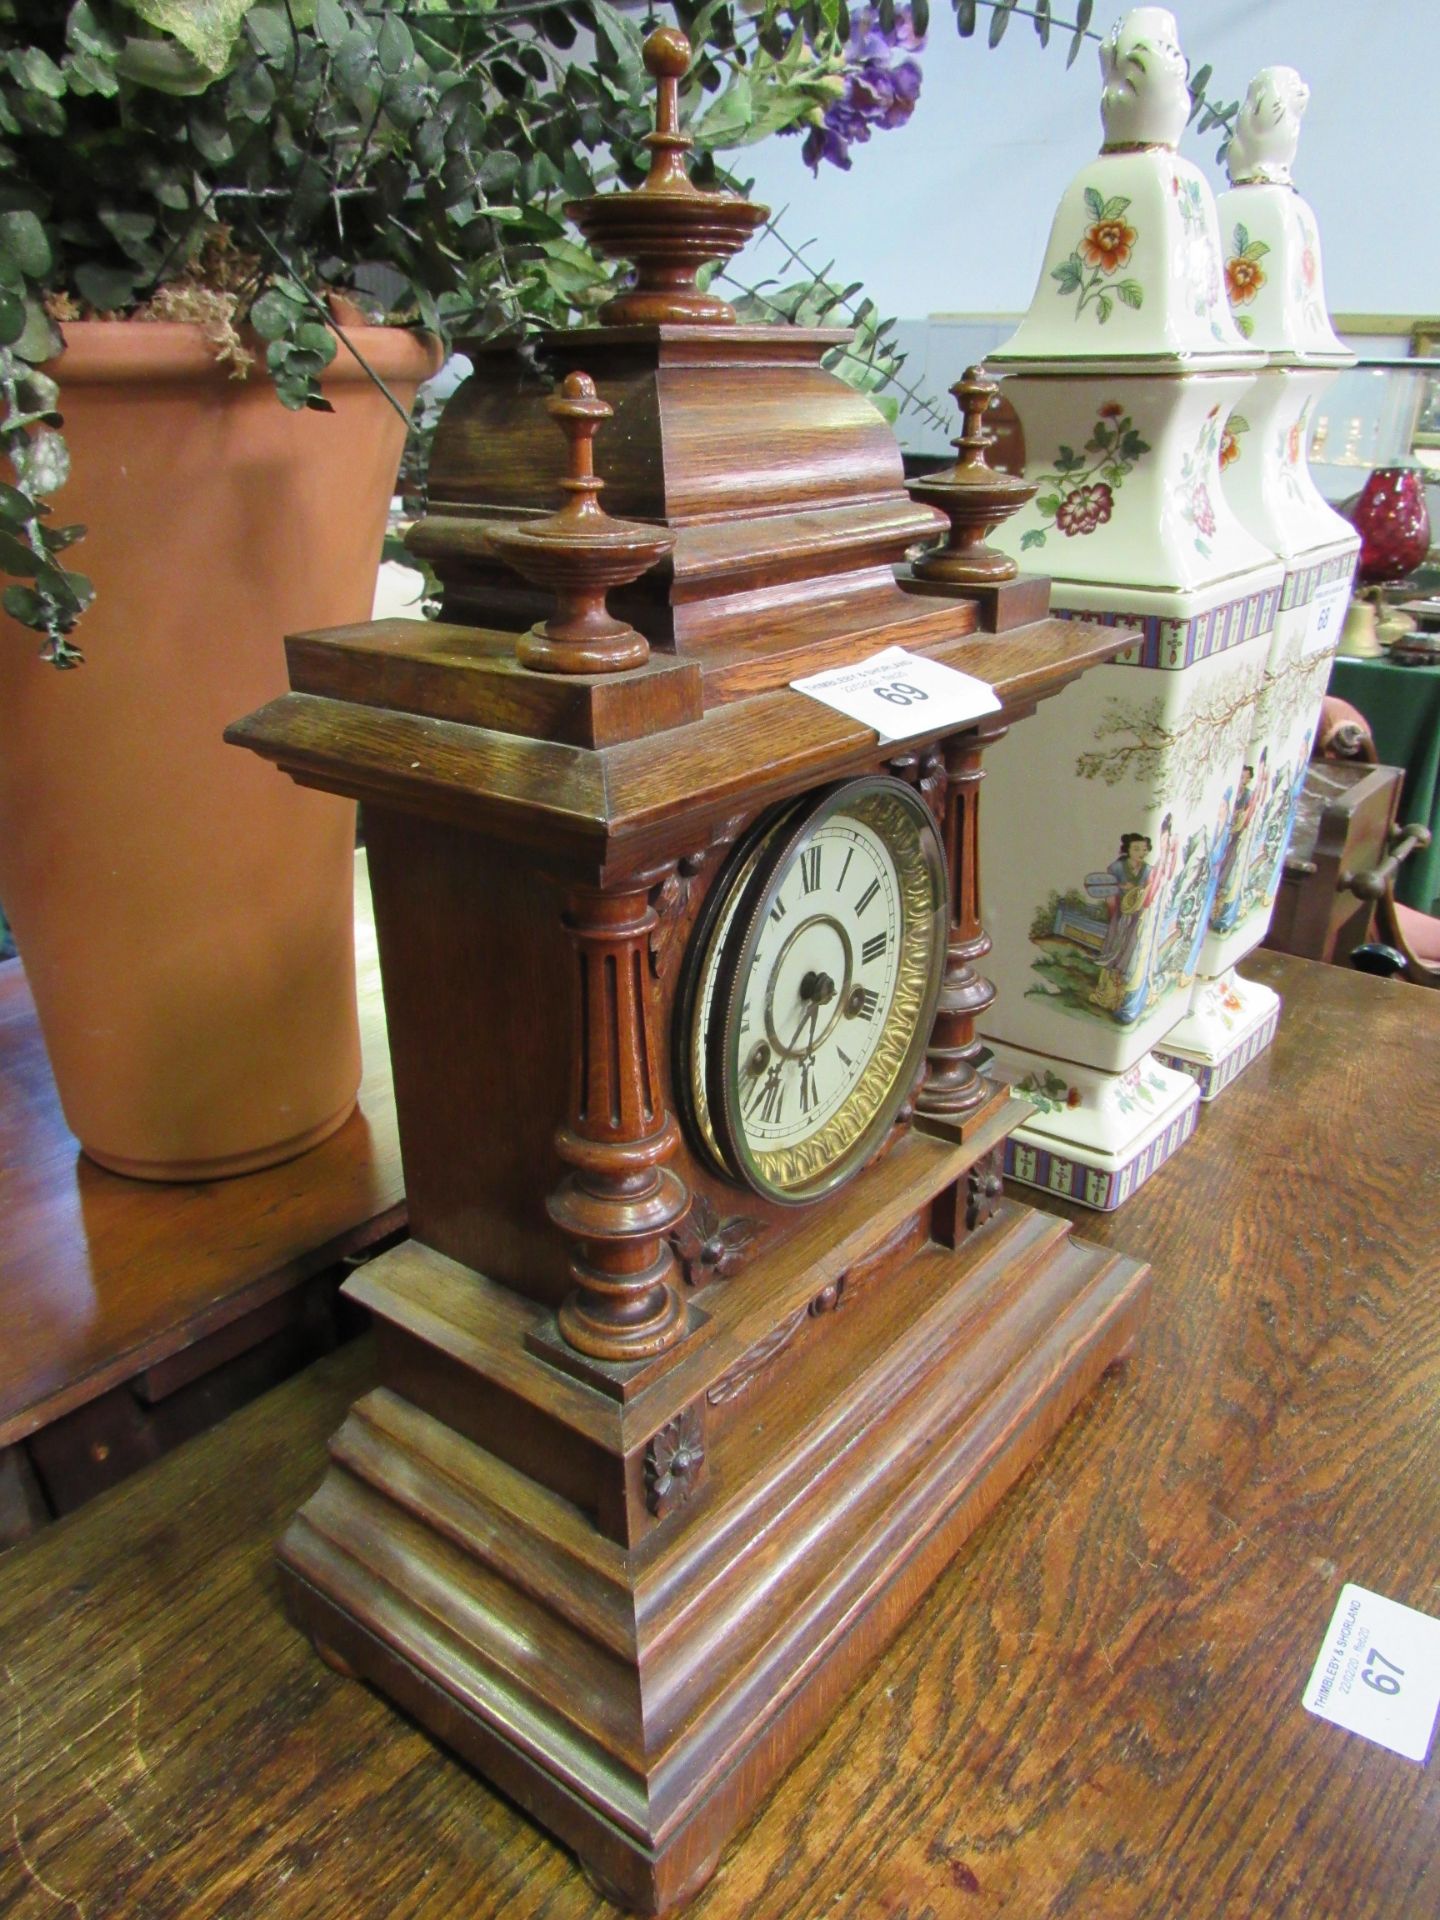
x,y
716,1333
860,1408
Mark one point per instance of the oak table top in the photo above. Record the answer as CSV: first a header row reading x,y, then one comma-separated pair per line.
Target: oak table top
x,y
1096,1711
102,1277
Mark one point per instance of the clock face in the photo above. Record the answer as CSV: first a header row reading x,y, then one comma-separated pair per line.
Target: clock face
x,y
815,973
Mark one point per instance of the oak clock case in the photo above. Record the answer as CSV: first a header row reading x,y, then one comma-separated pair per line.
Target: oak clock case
x,y
828,928
687,1391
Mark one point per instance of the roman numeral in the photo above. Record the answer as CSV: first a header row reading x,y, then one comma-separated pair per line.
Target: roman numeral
x,y
777,912
770,1098
810,868
869,894
873,947
866,1001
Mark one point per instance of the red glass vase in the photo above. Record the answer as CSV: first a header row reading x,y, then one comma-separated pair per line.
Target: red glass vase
x,y
1393,523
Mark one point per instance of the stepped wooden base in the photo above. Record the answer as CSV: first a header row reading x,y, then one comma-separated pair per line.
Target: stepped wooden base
x,y
857,1426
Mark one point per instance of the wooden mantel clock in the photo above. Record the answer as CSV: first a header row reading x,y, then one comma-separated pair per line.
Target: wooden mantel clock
x,y
714,1335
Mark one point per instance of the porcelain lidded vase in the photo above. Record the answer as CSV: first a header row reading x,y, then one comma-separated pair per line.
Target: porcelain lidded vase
x,y
1103,841
1276,291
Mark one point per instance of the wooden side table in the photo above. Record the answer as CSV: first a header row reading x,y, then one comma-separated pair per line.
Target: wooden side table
x,y
1342,826
136,1313
1402,705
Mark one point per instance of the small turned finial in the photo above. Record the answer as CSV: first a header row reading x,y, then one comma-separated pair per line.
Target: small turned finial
x,y
668,227
975,498
976,395
580,553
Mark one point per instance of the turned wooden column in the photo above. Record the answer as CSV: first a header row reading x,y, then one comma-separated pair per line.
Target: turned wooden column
x,y
620,1200
954,1086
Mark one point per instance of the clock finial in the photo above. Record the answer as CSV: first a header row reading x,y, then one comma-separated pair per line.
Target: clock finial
x,y
581,553
668,227
973,496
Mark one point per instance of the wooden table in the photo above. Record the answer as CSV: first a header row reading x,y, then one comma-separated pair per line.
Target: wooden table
x,y
122,1298
1096,1713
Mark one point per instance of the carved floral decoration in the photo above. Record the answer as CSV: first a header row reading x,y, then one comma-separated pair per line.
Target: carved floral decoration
x,y
984,1186
672,1462
1079,495
925,771
670,896
709,1248
1106,245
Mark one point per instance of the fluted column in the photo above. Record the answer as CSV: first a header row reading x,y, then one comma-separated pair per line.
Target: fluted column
x,y
620,1200
954,1086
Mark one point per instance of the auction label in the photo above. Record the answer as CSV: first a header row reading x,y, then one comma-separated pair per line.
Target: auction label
x,y
1378,1674
900,694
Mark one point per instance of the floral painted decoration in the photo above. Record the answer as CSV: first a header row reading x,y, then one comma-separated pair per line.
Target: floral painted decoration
x,y
1079,495
880,91
1048,1091
1230,448
1244,276
1196,506
1105,248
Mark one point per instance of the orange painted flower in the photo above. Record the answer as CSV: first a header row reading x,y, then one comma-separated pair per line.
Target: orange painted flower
x,y
1108,245
1295,444
1111,410
1229,448
1243,279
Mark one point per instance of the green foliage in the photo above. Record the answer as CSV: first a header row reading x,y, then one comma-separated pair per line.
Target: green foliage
x,y
300,143
249,159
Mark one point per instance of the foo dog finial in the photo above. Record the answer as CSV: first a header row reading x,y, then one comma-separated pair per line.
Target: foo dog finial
x,y
1145,101
1267,129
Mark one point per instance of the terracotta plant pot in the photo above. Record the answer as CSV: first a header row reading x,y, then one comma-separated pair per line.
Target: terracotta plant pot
x,y
183,915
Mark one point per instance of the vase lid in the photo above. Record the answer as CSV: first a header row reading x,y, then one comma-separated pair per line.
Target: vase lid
x,y
1273,274
1132,278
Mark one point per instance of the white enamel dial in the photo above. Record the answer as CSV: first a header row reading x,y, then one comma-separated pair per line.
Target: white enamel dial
x,y
816,982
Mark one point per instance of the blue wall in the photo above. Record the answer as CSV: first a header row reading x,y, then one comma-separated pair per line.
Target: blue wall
x,y
950,213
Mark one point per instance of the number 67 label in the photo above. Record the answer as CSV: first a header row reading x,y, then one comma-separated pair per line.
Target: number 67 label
x,y
1378,1673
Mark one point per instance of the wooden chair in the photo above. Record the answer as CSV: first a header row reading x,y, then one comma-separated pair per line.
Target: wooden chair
x,y
1409,942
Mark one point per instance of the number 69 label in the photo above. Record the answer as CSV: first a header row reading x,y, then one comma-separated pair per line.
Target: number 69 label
x,y
1378,1673
901,694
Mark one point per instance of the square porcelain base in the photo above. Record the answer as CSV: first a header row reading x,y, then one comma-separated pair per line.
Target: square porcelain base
x,y
1095,1137
1231,1021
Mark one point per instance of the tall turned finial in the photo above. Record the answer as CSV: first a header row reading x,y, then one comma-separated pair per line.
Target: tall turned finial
x,y
666,54
974,497
581,553
668,227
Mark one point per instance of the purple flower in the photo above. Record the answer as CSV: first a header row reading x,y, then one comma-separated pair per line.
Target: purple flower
x,y
877,93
